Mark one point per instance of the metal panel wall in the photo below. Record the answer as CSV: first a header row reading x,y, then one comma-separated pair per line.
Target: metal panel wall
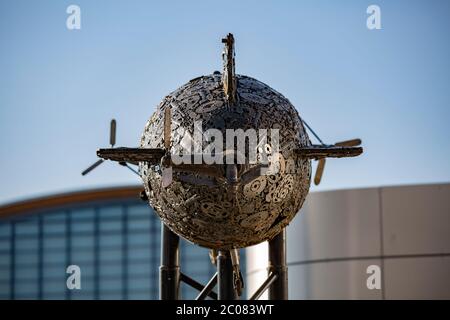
x,y
338,234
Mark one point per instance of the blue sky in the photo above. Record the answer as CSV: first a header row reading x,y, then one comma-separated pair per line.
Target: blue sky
x,y
59,88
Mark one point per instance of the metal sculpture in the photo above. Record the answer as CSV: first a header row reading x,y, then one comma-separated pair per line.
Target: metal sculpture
x,y
230,204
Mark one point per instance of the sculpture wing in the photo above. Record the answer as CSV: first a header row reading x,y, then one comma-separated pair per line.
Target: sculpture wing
x,y
132,155
325,151
154,156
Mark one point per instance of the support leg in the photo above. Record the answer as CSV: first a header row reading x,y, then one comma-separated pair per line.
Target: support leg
x,y
169,271
225,276
277,264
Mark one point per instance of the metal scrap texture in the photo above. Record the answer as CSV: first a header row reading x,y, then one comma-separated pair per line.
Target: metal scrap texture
x,y
205,210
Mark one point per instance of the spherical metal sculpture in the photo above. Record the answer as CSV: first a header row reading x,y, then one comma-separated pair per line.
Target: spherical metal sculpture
x,y
217,214
226,205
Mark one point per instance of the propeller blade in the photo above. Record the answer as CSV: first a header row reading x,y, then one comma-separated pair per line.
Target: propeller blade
x,y
92,167
348,143
112,133
167,127
319,171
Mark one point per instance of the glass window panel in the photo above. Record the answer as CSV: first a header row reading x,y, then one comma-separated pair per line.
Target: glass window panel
x,y
87,270
155,238
197,266
82,214
58,217
26,289
141,274
139,269
110,284
5,245
156,224
111,225
5,260
54,228
139,238
111,255
140,253
85,226
26,273
5,273
26,227
110,212
5,230
87,283
4,289
188,294
138,284
26,244
83,241
54,273
26,258
139,211
52,243
54,286
114,240
111,269
54,257
78,256
139,224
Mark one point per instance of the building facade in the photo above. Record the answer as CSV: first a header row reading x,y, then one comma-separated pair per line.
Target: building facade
x,y
112,235
333,245
373,243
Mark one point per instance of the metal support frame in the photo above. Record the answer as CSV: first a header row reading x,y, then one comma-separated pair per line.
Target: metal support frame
x,y
266,284
170,275
225,276
277,280
207,290
169,271
277,264
197,285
